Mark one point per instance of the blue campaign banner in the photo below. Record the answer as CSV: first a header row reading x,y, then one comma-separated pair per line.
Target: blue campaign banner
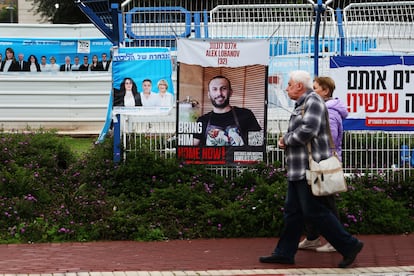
x,y
378,91
143,63
358,61
59,48
137,75
147,67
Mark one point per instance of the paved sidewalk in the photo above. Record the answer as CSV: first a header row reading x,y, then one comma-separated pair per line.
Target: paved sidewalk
x,y
382,255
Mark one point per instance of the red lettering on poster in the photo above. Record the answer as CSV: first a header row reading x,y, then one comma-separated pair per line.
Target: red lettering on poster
x,y
392,121
213,153
202,155
373,102
188,153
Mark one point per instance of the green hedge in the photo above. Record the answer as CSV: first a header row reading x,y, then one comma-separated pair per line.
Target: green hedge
x,y
48,194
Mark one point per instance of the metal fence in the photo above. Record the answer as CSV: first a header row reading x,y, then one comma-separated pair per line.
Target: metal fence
x,y
360,28
386,154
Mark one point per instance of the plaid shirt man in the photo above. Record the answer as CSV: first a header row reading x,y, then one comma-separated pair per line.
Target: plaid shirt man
x,y
311,126
307,124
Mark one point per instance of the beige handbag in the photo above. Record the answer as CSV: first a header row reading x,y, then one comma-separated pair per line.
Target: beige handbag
x,y
327,176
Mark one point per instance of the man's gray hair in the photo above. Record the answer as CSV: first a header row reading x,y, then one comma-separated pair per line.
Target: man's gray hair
x,y
302,77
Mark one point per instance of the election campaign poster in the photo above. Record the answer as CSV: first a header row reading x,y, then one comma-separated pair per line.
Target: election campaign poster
x,y
378,91
142,81
222,95
58,48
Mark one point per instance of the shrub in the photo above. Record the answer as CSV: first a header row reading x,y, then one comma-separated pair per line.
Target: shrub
x,y
48,193
373,206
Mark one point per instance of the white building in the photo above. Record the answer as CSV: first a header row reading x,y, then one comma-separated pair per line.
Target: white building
x,y
27,12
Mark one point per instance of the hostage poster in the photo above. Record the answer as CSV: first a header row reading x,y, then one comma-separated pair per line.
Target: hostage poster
x,y
378,91
222,95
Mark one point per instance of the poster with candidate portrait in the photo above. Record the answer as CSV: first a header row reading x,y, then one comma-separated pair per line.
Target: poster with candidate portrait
x,y
56,47
142,81
222,95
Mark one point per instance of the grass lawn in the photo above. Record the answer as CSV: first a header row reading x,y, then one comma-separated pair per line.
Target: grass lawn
x,y
80,145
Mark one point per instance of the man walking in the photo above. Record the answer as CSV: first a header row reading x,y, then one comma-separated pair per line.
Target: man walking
x,y
307,124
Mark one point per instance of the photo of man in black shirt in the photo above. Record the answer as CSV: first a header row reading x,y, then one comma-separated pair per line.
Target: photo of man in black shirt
x,y
225,125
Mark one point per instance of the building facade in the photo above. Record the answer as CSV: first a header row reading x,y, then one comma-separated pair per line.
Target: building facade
x,y
27,12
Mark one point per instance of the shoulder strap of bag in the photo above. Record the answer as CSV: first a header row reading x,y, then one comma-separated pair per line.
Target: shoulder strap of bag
x,y
328,128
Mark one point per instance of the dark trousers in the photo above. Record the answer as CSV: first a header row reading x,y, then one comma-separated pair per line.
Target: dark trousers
x,y
300,206
312,231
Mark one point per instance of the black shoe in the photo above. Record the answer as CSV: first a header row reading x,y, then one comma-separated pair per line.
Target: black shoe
x,y
276,259
348,260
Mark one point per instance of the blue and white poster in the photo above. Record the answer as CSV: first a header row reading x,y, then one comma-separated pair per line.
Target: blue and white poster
x,y
58,48
378,91
142,80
